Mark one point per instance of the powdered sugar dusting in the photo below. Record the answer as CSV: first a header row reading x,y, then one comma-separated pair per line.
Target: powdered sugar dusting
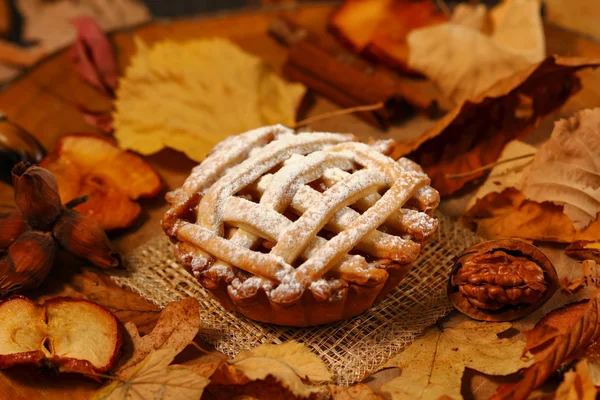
x,y
275,169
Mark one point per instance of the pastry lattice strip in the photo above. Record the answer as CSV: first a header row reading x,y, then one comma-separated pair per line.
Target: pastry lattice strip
x,y
358,180
320,255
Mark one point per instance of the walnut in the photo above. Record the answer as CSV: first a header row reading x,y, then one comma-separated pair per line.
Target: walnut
x,y
501,280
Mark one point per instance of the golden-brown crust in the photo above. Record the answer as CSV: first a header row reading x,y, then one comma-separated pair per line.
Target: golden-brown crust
x,y
266,265
309,311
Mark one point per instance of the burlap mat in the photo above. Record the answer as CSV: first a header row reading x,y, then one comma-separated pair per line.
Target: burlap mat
x,y
351,349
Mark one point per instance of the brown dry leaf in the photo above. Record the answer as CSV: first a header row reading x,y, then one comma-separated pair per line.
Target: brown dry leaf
x,y
558,338
153,378
176,327
566,169
584,250
592,355
590,276
464,61
287,364
433,365
360,391
577,384
509,214
304,362
474,134
500,210
583,18
506,173
259,369
570,287
183,96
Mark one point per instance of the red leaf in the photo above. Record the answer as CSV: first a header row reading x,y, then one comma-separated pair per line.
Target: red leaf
x,y
95,59
99,119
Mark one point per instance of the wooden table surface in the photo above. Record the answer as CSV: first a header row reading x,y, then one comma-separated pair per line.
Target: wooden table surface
x,y
43,102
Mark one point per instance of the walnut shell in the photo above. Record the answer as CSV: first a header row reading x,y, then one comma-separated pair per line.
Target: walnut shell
x,y
501,280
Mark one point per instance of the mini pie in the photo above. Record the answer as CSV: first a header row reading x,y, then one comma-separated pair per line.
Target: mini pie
x,y
300,229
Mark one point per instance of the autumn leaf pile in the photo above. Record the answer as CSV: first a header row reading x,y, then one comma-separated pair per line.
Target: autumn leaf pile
x,y
147,368
170,363
555,196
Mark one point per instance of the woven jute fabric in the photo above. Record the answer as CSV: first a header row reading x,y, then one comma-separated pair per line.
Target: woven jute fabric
x,y
351,349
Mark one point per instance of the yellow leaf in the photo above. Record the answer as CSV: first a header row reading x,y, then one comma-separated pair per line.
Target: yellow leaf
x,y
259,368
191,95
359,391
297,356
176,327
154,379
464,61
434,364
577,384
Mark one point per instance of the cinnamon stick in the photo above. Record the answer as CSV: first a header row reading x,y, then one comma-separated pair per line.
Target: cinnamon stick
x,y
322,64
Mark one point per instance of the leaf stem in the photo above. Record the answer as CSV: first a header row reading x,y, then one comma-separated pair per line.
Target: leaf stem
x,y
488,166
337,113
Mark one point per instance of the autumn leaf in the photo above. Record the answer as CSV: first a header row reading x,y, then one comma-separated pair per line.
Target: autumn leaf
x,y
94,56
577,384
557,339
304,362
590,277
566,169
509,214
464,61
183,96
360,391
433,365
592,355
500,210
176,327
153,378
99,119
259,368
474,133
585,249
287,364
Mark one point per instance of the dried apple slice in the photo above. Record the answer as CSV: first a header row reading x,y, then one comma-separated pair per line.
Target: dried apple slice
x,y
378,28
355,21
388,43
22,332
74,335
112,179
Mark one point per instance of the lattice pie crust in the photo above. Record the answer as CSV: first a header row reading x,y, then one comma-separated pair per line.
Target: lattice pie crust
x,y
300,229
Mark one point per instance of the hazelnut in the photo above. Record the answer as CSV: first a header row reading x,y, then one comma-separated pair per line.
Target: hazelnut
x,y
83,236
27,262
36,195
501,280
